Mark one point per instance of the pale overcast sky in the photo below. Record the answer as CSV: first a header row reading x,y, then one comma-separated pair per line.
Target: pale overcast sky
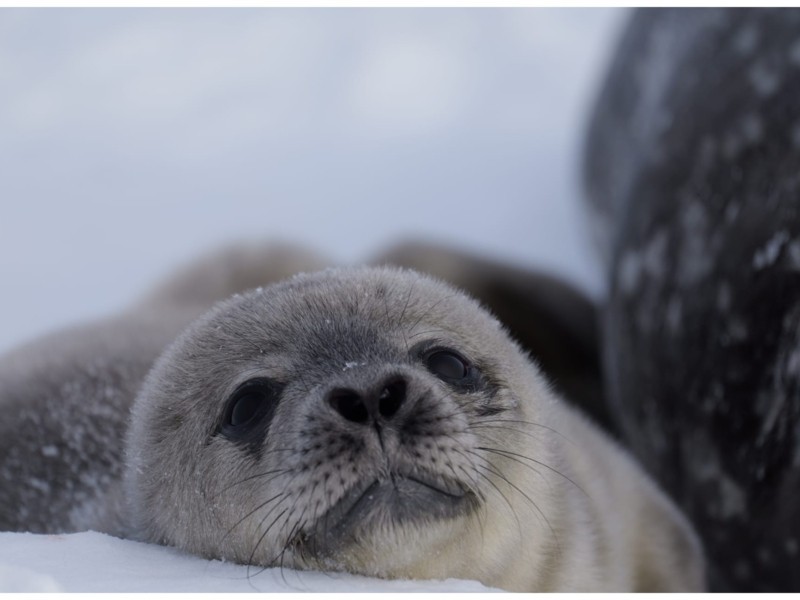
x,y
132,140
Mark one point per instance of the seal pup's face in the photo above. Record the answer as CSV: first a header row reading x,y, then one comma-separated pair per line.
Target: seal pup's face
x,y
353,419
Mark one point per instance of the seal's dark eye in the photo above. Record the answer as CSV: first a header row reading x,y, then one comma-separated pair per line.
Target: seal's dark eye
x,y
447,365
249,411
246,405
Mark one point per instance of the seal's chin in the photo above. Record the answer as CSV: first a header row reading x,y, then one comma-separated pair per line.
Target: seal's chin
x,y
377,506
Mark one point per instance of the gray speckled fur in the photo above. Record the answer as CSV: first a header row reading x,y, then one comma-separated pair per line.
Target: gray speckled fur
x,y
65,397
557,506
553,504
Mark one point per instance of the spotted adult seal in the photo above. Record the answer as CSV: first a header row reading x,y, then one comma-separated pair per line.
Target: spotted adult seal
x,y
366,419
692,183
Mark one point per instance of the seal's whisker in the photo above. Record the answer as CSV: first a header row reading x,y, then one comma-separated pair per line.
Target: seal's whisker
x,y
530,500
289,539
515,459
500,493
479,425
529,423
474,488
263,535
516,456
280,497
267,564
315,516
250,513
275,472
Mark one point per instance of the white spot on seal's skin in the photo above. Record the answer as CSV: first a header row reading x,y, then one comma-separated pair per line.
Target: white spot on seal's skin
x,y
732,501
775,407
764,80
745,40
794,53
793,363
748,131
796,454
695,261
796,135
732,211
736,330
752,128
792,546
768,254
49,451
39,484
648,260
793,255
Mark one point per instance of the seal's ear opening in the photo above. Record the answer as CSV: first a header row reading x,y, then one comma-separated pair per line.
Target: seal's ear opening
x,y
554,321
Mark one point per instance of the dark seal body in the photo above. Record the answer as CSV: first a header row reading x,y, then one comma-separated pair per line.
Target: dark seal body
x,y
693,176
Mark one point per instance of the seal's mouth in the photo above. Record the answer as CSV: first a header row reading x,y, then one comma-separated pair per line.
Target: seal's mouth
x,y
401,499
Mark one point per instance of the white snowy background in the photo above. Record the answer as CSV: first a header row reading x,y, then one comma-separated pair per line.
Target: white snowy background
x,y
133,140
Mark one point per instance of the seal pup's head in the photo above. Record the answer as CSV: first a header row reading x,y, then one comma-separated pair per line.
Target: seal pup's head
x,y
360,419
378,421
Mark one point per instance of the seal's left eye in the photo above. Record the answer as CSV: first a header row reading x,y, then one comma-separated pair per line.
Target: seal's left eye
x,y
447,365
246,406
249,410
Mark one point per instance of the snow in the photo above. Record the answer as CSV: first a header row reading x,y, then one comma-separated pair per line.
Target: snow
x,y
95,562
135,140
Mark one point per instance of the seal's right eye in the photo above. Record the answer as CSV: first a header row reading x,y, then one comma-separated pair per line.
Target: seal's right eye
x,y
249,411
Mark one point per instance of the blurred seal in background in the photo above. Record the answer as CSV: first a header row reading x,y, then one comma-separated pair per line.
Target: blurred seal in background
x,y
692,173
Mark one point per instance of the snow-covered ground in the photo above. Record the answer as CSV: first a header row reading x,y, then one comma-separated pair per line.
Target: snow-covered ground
x,y
94,562
132,140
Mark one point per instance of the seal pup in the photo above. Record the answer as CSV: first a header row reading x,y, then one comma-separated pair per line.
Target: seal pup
x,y
380,422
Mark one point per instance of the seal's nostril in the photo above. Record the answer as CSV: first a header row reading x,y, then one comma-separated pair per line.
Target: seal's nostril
x,y
379,403
391,398
349,404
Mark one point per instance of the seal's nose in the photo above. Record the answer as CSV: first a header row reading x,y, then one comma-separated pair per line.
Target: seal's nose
x,y
379,403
